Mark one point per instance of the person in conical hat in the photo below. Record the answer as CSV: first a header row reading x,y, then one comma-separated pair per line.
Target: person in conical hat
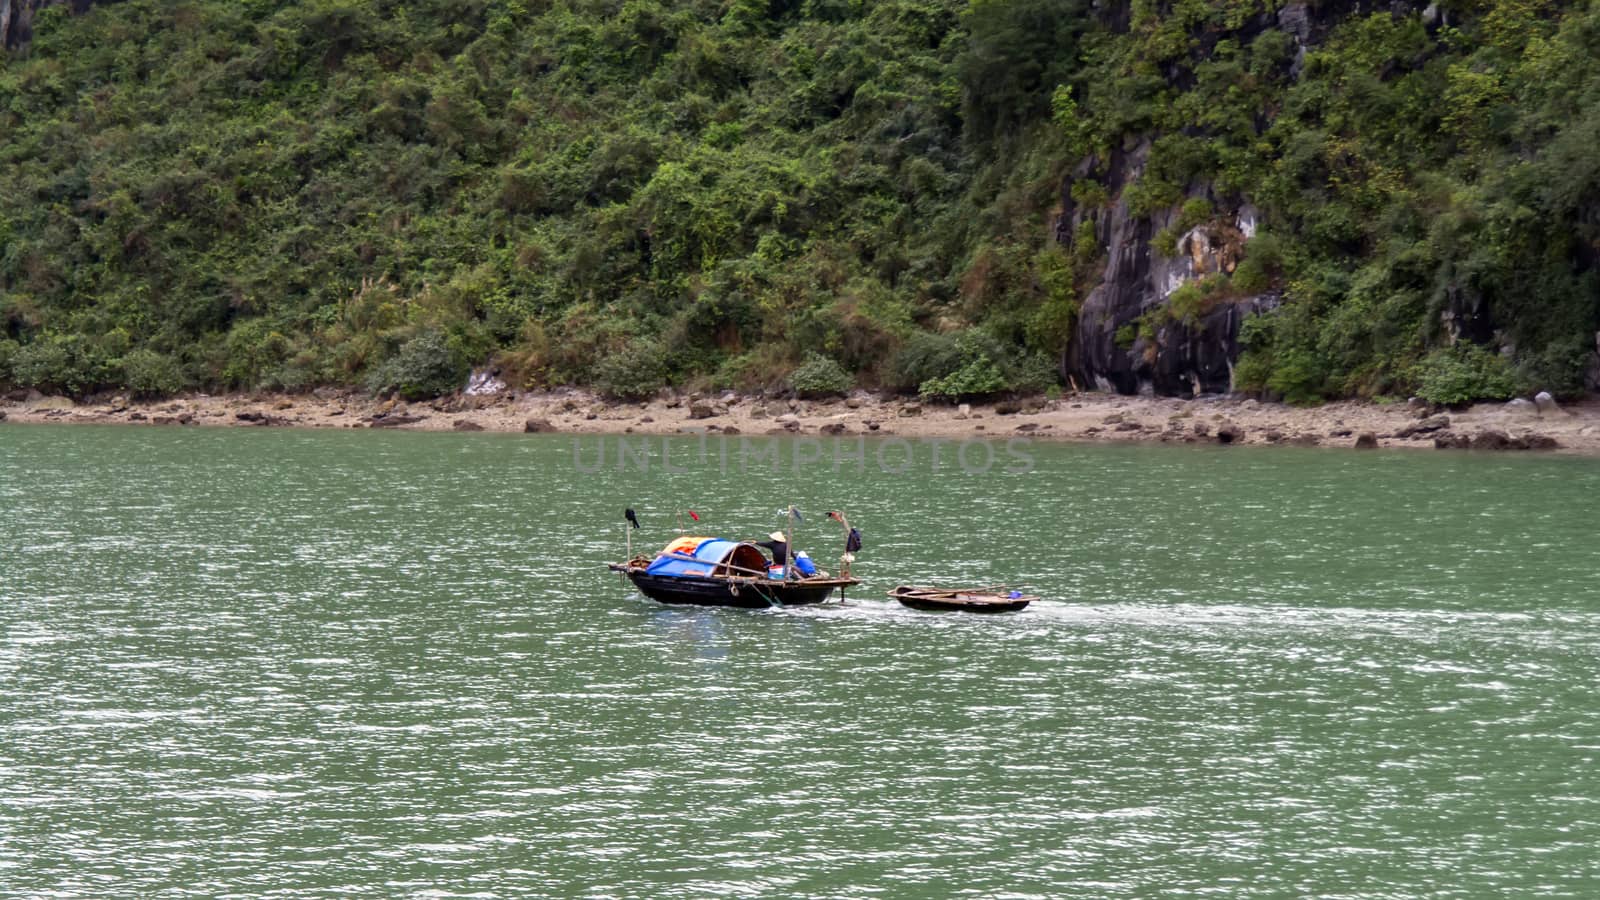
x,y
779,545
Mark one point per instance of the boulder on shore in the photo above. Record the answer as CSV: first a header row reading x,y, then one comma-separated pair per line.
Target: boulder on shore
x,y
701,410
393,421
1545,403
1426,426
1521,406
1492,439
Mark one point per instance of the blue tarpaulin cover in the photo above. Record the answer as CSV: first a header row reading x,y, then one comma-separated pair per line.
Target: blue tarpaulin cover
x,y
706,556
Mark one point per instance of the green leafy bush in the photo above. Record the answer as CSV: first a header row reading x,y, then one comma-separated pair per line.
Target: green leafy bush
x,y
1031,373
255,349
923,357
49,365
150,374
820,376
1250,277
1252,372
634,374
978,377
1188,302
425,366
988,367
1126,335
1558,368
1298,378
8,352
1451,376
1194,211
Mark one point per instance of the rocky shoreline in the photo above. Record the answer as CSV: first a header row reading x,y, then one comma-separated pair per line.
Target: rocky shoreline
x,y
1518,425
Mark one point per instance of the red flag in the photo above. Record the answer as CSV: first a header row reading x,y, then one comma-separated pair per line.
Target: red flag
x,y
693,516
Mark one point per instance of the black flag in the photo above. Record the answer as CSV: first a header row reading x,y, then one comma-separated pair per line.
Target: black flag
x,y
632,518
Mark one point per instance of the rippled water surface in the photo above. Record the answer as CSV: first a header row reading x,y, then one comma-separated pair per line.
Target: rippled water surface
x,y
280,663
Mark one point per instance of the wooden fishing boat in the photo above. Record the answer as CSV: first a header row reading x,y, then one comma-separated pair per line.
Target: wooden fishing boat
x,y
979,600
711,572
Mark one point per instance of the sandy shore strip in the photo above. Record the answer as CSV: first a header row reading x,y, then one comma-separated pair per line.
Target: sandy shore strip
x,y
1518,425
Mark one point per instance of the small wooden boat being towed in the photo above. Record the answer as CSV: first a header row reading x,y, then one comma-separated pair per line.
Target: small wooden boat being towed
x,y
711,572
980,600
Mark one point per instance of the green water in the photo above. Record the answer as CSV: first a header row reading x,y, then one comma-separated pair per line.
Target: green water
x,y
283,663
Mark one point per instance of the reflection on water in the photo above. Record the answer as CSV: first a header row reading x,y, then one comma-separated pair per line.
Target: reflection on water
x,y
693,631
286,663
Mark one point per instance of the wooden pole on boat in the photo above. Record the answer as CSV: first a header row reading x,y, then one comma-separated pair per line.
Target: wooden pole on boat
x,y
788,538
844,558
629,517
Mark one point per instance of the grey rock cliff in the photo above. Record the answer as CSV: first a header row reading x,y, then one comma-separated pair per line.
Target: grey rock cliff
x,y
1124,340
1169,356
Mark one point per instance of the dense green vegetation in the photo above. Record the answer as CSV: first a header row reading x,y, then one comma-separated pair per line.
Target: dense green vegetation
x,y
249,193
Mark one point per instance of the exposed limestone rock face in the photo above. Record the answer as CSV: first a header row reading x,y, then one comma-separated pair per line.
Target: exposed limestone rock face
x,y
1124,340
1169,356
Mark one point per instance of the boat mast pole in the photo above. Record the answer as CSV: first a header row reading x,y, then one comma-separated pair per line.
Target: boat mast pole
x,y
844,564
788,536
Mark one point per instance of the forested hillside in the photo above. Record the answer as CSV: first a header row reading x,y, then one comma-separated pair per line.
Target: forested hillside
x,y
955,198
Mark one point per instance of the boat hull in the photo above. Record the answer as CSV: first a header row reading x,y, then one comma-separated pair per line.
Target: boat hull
x,y
716,592
961,606
942,600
